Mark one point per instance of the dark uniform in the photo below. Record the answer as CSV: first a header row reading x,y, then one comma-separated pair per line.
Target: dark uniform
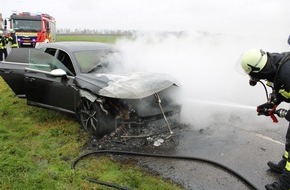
x,y
277,71
3,50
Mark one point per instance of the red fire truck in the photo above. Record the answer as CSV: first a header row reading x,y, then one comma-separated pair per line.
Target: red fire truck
x,y
33,28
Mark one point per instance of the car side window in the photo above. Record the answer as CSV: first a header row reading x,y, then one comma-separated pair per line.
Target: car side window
x,y
66,61
45,62
50,51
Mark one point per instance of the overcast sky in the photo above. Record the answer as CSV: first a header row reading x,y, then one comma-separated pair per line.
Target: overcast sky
x,y
212,15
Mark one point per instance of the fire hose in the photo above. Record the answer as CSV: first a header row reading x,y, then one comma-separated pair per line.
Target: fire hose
x,y
225,168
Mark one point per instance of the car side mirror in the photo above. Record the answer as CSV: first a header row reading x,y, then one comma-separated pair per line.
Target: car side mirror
x,y
58,73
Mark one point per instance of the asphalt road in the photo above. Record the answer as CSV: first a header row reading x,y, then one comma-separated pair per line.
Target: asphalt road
x,y
244,148
238,139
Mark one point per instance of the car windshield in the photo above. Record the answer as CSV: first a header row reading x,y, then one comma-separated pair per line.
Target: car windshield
x,y
27,25
101,61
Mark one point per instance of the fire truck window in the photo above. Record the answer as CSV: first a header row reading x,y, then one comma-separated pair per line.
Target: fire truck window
x,y
65,59
50,51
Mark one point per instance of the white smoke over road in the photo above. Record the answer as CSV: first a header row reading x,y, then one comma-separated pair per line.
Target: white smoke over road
x,y
204,63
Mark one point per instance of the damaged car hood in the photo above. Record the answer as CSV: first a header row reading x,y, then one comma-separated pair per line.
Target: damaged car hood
x,y
126,85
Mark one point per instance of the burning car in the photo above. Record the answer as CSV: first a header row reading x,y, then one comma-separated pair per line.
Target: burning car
x,y
87,79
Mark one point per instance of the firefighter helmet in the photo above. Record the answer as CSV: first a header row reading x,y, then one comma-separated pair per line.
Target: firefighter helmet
x,y
253,60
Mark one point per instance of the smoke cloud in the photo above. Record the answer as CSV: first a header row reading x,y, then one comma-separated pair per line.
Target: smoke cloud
x,y
206,65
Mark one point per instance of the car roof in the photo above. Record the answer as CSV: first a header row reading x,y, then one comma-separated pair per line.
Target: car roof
x,y
73,46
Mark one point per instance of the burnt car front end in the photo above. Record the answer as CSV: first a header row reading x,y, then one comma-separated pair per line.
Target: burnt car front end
x,y
123,98
157,109
135,101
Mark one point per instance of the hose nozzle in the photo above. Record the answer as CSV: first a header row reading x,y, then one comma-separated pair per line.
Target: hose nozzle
x,y
281,112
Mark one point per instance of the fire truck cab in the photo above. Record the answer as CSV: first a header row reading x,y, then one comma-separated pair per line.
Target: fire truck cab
x,y
32,29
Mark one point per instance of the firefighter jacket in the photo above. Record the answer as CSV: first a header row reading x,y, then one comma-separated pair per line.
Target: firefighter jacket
x,y
282,76
2,43
13,41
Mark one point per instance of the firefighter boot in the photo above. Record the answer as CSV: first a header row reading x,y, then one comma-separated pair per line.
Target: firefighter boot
x,y
278,168
282,184
283,181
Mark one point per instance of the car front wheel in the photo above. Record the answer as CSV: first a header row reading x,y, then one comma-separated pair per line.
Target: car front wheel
x,y
94,120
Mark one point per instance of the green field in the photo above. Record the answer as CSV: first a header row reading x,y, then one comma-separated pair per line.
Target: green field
x,y
38,147
92,38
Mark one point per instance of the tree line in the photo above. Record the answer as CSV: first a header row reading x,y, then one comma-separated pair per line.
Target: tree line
x,y
96,32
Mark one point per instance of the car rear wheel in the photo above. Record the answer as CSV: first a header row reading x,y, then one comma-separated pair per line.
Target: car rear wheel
x,y
94,120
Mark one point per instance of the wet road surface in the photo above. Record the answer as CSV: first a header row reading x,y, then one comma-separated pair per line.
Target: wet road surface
x,y
245,152
241,142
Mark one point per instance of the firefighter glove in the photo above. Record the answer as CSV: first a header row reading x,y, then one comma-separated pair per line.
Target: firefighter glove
x,y
264,109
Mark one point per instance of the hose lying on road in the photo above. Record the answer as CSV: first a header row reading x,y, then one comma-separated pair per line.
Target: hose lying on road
x,y
237,175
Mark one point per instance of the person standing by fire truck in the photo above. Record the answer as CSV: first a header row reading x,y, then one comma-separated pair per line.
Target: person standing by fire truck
x,y
275,69
3,50
12,39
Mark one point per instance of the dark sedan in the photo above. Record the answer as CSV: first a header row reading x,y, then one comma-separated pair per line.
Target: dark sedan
x,y
87,79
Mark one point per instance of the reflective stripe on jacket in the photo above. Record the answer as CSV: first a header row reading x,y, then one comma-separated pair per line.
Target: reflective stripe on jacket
x,y
2,43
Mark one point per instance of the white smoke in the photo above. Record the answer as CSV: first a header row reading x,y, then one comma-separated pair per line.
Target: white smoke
x,y
203,56
205,64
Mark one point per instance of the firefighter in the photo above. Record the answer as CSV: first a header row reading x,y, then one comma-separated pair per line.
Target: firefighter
x,y
12,39
2,46
275,69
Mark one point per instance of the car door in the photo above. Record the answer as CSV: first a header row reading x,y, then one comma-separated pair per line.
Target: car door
x,y
46,90
13,68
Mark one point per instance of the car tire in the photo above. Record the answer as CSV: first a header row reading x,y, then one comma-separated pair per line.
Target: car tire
x,y
94,120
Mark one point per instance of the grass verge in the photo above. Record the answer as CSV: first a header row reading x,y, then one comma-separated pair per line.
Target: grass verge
x,y
38,147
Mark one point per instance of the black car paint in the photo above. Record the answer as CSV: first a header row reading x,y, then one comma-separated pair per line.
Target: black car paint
x,y
43,90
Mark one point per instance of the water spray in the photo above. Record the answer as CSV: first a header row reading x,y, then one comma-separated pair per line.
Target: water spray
x,y
267,111
233,105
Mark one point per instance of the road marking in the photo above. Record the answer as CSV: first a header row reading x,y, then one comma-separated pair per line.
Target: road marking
x,y
268,138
